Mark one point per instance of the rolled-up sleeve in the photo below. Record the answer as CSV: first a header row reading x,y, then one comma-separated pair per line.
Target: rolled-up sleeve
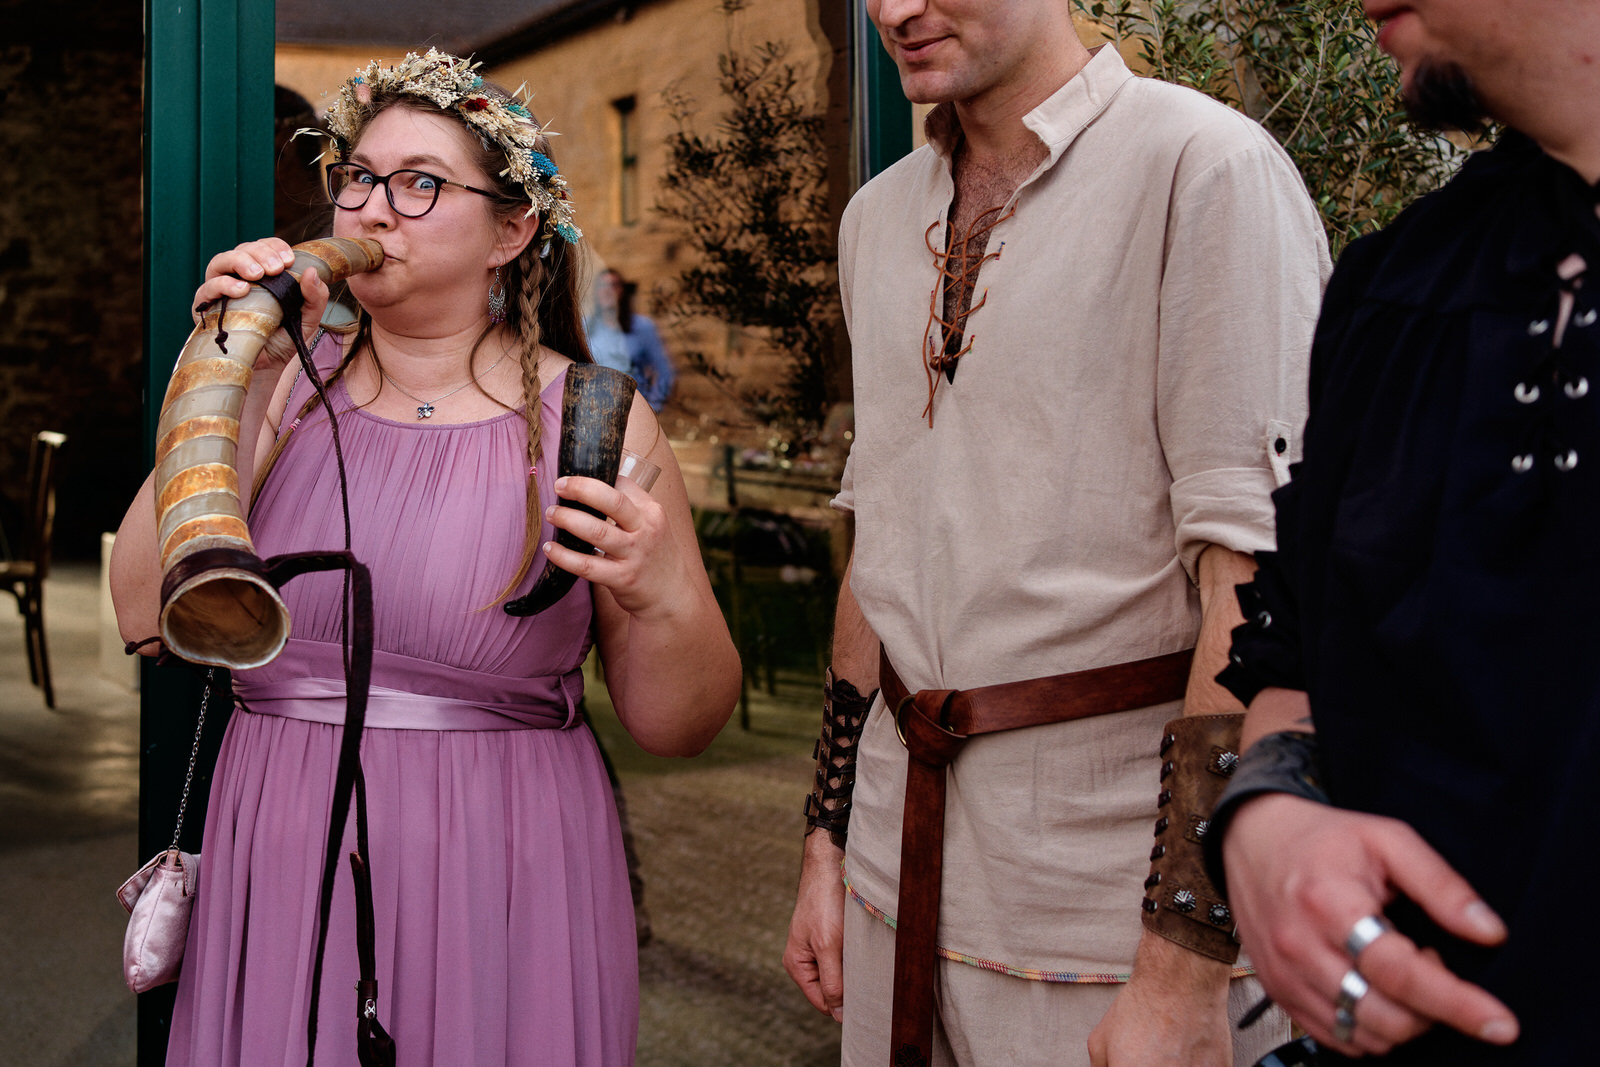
x,y
1268,648
1246,260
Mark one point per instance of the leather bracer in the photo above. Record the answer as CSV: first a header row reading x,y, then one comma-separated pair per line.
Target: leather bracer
x,y
1181,904
844,713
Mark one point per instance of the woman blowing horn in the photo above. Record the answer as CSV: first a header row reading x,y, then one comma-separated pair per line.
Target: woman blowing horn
x,y
505,926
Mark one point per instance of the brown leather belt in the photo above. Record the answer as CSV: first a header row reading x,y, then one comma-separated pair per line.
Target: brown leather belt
x,y
934,724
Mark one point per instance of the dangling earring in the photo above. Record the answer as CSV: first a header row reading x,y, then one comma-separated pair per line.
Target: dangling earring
x,y
497,299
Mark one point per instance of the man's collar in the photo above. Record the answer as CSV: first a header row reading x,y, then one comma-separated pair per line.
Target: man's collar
x,y
1059,118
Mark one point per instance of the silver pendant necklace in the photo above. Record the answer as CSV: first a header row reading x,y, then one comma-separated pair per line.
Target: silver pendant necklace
x,y
425,407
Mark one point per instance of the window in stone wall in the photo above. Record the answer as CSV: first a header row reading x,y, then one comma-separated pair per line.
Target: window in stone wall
x,y
627,161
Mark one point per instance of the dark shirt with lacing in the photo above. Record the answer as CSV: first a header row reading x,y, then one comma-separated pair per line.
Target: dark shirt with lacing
x,y
1436,588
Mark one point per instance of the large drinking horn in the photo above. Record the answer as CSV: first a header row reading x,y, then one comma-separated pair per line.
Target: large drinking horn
x,y
217,606
594,420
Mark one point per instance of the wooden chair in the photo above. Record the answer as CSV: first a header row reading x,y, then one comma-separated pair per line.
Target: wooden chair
x,y
24,577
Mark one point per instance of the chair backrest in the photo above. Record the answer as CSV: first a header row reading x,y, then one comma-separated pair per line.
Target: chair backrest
x,y
42,498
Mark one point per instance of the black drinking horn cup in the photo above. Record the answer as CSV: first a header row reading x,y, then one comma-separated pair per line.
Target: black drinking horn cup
x,y
594,421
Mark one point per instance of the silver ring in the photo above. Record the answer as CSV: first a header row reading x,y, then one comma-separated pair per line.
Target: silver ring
x,y
1344,1025
1367,929
1352,987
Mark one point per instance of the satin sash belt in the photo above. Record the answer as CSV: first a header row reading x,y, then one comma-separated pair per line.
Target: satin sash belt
x,y
409,694
322,700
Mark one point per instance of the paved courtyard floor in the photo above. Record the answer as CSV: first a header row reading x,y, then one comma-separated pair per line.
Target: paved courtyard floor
x,y
718,836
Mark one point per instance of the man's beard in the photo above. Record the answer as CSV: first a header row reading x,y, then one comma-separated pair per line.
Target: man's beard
x,y
1442,97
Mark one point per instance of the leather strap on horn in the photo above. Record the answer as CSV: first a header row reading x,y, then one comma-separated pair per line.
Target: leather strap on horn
x,y
934,725
205,560
374,1046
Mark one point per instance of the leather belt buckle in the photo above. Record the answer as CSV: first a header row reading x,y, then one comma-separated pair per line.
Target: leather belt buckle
x,y
909,704
900,719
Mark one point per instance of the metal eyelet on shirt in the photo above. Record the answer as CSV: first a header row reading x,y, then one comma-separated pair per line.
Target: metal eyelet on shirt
x,y
1567,460
1522,464
1585,318
1538,326
1264,619
1577,390
1525,393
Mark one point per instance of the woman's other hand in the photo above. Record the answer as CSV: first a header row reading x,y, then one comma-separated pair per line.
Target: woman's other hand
x,y
671,667
640,560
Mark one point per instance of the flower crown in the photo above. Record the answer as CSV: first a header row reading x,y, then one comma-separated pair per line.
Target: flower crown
x,y
454,84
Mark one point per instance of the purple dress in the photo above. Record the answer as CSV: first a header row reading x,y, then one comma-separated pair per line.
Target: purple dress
x,y
504,923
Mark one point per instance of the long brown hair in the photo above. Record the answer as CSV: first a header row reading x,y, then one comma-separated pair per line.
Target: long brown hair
x,y
541,285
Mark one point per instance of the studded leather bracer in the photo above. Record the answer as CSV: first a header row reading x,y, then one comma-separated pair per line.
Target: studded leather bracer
x,y
844,713
1198,753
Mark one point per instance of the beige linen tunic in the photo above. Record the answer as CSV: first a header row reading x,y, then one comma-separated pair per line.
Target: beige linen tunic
x,y
1134,392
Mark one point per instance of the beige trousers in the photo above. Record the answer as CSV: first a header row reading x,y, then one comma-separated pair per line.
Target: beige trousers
x,y
986,1019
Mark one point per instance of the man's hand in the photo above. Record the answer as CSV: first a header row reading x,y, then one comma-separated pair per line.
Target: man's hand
x,y
814,956
1299,876
1174,1011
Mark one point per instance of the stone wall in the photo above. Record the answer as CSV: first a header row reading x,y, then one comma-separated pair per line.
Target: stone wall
x,y
70,254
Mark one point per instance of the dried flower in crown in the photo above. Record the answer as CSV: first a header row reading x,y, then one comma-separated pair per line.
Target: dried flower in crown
x,y
454,84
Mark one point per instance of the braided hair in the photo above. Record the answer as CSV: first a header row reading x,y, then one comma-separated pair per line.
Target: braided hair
x,y
542,283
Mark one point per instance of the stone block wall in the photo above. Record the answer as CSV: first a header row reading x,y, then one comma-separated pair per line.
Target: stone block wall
x,y
70,259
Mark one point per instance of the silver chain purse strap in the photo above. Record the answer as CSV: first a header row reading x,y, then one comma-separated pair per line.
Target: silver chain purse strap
x,y
194,757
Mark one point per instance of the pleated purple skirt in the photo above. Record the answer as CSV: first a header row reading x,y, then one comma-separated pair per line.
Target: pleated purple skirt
x,y
504,924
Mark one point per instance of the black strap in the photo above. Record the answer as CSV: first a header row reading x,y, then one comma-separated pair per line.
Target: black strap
x,y
374,1046
370,1034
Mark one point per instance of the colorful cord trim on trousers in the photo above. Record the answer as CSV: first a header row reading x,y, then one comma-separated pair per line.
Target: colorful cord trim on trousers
x,y
1030,973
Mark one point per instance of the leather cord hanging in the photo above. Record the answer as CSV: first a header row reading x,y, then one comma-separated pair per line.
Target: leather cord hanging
x,y
374,1046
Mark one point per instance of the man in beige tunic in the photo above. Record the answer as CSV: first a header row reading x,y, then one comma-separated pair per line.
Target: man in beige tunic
x,y
1080,319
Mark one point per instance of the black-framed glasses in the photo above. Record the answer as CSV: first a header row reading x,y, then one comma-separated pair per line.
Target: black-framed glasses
x,y
412,193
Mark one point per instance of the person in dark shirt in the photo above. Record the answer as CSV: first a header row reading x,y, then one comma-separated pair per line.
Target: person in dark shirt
x,y
1407,839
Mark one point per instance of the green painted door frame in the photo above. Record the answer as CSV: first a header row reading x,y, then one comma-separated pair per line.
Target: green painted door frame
x,y
208,104
879,112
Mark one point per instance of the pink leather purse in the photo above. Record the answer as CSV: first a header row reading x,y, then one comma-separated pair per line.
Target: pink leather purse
x,y
160,896
158,899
